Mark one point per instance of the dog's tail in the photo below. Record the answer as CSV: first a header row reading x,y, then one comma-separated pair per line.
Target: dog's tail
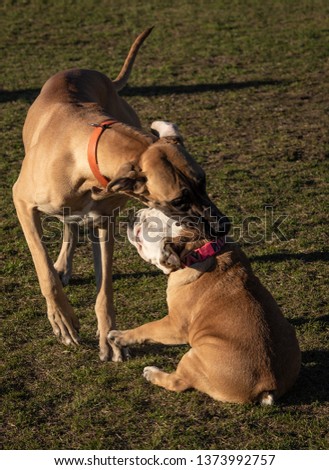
x,y
122,79
266,398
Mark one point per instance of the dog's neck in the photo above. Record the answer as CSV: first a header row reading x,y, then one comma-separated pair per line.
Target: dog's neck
x,y
198,251
187,275
118,144
186,249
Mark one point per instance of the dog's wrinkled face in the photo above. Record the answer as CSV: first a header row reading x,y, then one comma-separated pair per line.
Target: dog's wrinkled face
x,y
169,179
150,232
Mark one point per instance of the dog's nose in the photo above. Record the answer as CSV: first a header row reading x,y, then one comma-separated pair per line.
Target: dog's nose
x,y
219,224
214,223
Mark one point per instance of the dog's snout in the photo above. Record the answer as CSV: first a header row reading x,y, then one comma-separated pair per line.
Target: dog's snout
x,y
212,222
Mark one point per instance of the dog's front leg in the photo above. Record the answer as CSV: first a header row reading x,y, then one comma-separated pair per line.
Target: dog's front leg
x,y
63,264
162,331
103,241
60,313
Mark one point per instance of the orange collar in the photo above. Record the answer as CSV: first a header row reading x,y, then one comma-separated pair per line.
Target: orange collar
x,y
92,149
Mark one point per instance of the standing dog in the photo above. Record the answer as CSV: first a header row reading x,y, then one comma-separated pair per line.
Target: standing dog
x,y
77,171
242,348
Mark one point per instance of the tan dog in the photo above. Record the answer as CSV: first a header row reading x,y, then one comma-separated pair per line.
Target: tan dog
x,y
242,348
84,173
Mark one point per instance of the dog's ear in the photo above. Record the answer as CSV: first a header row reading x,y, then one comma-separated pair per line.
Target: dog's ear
x,y
128,179
167,130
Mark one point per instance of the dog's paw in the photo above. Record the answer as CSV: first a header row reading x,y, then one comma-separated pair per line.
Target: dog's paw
x,y
119,354
149,371
114,337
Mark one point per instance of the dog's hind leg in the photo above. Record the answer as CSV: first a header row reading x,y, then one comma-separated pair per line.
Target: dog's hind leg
x,y
60,313
103,241
64,261
177,381
170,382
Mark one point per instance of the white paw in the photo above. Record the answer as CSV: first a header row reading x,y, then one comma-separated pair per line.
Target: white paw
x,y
149,372
114,337
120,354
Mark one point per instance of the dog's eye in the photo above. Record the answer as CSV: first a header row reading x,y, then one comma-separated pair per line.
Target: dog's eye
x,y
180,203
183,202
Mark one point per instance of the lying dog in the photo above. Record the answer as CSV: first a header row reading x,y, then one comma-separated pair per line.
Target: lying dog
x,y
242,348
85,156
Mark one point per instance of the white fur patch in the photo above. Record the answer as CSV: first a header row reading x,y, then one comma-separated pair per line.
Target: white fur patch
x,y
148,233
149,371
165,129
267,399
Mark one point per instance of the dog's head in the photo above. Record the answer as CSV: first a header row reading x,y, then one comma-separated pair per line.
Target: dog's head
x,y
153,234
169,179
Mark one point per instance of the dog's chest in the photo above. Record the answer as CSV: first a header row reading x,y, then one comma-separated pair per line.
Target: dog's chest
x,y
88,216
96,213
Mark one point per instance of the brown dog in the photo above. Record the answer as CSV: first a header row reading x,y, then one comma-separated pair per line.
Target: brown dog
x,y
242,348
84,173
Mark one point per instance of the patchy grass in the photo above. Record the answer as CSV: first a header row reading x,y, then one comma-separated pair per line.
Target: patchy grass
x,y
247,82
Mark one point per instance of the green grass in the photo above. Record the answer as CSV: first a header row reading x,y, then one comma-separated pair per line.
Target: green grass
x,y
247,82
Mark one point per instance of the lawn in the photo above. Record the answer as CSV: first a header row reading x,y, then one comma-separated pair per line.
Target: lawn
x,y
248,84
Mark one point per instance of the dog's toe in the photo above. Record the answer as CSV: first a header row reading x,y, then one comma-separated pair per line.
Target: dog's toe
x,y
65,327
149,372
71,339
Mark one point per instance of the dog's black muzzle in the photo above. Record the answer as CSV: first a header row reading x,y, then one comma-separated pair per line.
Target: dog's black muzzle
x,y
204,220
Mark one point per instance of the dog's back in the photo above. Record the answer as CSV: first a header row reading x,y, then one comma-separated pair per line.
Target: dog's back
x,y
75,93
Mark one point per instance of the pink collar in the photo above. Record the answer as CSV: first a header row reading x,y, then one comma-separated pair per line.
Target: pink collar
x,y
204,252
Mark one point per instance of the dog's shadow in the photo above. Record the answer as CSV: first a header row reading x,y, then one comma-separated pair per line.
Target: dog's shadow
x,y
313,380
280,257
81,280
29,94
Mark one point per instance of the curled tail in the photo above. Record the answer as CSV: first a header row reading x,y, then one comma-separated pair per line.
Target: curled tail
x,y
122,79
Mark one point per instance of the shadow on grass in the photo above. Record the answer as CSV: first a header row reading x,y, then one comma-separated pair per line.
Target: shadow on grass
x,y
29,94
137,275
82,281
279,257
324,319
197,88
313,380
